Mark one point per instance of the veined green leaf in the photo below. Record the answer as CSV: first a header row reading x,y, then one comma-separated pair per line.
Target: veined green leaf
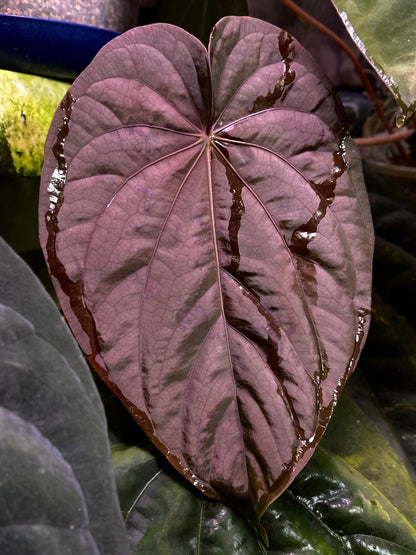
x,y
354,496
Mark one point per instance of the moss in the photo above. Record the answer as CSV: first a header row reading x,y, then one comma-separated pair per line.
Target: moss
x,y
27,105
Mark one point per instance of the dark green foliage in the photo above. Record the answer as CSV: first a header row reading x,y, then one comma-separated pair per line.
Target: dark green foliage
x,y
52,431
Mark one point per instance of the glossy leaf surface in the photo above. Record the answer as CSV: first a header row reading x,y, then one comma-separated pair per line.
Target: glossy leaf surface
x,y
346,501
385,32
53,434
206,225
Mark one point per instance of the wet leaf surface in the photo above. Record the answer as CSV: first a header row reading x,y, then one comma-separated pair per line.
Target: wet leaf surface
x,y
53,435
355,495
207,229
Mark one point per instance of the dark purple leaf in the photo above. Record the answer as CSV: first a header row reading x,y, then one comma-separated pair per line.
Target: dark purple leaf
x,y
206,226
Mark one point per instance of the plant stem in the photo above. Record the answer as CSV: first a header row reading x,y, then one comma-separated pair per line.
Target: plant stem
x,y
385,138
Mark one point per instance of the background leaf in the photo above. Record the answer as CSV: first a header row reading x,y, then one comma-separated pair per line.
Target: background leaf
x,y
57,490
209,236
336,64
385,32
196,17
355,495
389,363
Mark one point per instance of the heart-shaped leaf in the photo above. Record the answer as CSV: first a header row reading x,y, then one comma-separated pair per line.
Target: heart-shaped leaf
x,y
206,226
53,434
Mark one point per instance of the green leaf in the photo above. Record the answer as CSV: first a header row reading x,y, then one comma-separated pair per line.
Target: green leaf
x,y
354,494
357,483
385,32
391,370
57,488
162,511
199,17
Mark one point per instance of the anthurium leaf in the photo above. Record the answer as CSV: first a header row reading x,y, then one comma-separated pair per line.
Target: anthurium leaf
x,y
391,371
358,436
161,509
196,17
343,502
57,488
206,225
394,214
352,506
385,32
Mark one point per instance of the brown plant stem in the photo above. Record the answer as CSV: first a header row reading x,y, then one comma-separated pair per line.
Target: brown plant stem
x,y
366,82
385,138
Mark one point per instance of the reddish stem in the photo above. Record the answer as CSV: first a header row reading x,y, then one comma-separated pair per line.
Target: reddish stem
x,y
385,138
